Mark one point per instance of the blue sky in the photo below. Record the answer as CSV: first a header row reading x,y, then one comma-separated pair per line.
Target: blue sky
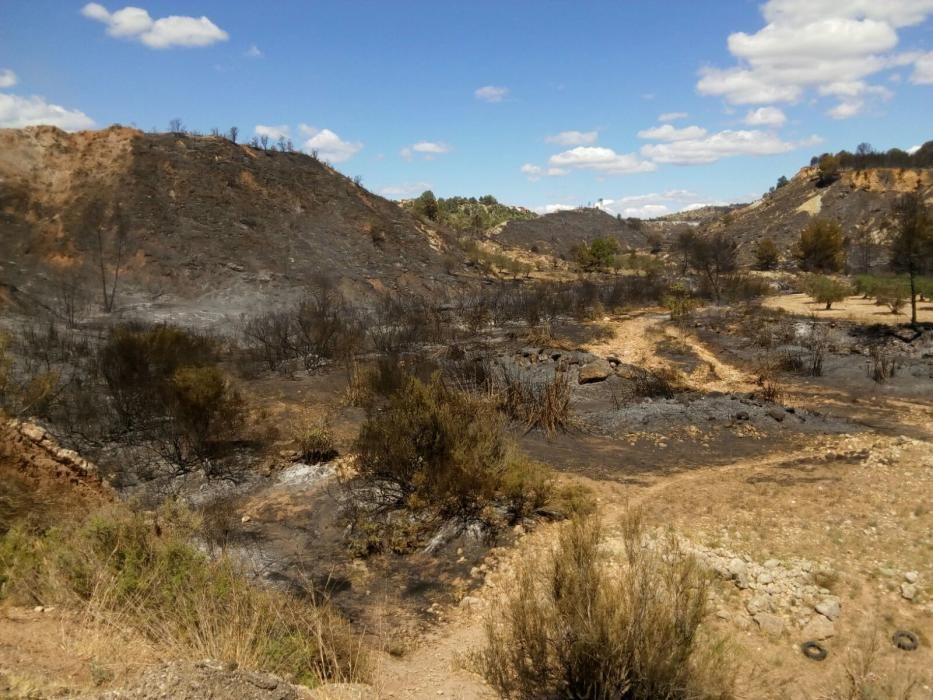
x,y
544,104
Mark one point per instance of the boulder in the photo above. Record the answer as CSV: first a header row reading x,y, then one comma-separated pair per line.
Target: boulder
x,y
598,371
771,625
829,608
818,628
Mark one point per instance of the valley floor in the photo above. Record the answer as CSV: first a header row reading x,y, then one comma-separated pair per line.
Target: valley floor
x,y
836,511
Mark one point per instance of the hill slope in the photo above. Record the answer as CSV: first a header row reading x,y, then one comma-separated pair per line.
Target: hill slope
x,y
202,216
558,233
858,200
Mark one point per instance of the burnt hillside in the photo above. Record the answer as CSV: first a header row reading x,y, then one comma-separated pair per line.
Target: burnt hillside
x,y
201,215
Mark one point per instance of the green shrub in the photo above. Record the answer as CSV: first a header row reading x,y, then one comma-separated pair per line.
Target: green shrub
x,y
434,454
821,247
767,256
571,627
827,290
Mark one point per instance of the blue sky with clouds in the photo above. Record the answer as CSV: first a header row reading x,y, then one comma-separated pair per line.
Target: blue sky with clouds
x,y
651,106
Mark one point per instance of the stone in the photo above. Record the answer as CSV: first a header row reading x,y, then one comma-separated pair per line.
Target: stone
x,y
818,628
764,579
738,571
759,603
598,371
771,625
471,603
908,591
741,415
777,414
911,576
771,564
829,608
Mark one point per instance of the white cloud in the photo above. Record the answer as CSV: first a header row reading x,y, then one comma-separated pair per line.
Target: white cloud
x,y
846,109
923,70
554,208
723,144
273,132
601,159
766,116
672,116
654,204
253,52
670,133
573,138
406,190
135,23
491,93
16,112
428,149
7,78
328,145
536,172
810,44
913,149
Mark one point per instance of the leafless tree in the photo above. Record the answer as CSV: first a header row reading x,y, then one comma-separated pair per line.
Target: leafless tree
x,y
264,141
175,126
95,220
234,132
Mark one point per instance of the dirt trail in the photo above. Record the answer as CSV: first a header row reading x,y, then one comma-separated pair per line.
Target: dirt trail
x,y
635,342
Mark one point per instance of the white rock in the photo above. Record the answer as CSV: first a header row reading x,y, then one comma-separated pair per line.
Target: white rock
x,y
908,591
829,607
911,576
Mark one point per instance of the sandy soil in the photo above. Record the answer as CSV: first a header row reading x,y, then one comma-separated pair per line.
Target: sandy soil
x,y
855,308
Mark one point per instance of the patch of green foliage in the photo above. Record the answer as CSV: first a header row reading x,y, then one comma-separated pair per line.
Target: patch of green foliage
x,y
466,213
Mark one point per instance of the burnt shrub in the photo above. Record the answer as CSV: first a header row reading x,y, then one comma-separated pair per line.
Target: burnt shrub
x,y
535,403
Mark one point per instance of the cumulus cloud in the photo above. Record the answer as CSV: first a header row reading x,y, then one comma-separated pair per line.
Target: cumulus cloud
x,y
491,93
16,112
913,149
672,116
601,159
553,208
573,138
810,44
428,149
328,145
766,116
253,52
654,204
670,133
724,144
923,70
846,109
136,24
405,190
7,78
273,132
536,172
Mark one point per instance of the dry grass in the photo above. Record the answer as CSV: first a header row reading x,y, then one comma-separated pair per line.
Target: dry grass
x,y
536,404
573,627
123,571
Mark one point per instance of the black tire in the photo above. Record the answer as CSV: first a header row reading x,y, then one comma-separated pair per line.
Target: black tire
x,y
906,640
814,650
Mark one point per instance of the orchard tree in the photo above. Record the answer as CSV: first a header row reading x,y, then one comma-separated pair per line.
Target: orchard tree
x,y
827,290
821,247
912,242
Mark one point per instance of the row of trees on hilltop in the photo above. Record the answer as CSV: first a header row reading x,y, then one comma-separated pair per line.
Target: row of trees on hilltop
x,y
465,213
865,156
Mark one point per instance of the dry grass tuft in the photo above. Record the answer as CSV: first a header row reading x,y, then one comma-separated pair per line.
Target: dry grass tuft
x,y
574,628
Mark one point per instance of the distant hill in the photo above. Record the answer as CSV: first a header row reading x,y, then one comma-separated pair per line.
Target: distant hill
x,y
203,217
697,216
857,199
559,233
467,213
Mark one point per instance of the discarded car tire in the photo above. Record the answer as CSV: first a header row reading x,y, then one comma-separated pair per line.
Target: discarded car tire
x,y
814,651
906,640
